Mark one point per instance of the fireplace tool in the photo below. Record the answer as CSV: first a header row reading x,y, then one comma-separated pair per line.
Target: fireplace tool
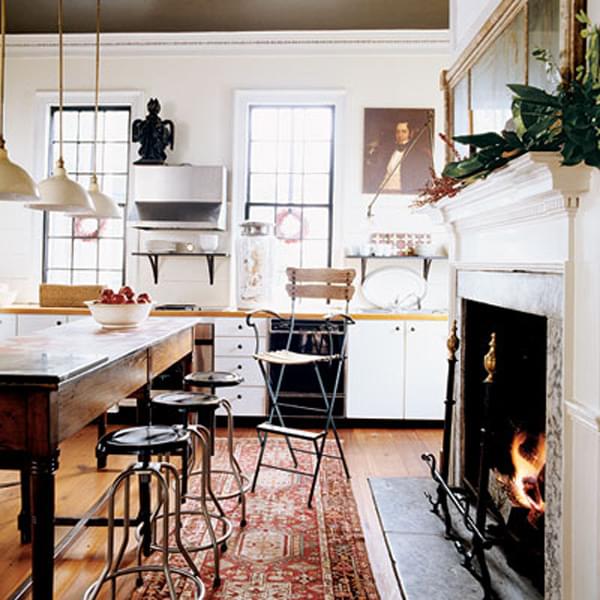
x,y
480,540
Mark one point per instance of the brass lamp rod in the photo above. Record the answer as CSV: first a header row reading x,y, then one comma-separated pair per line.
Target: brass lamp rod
x,y
96,95
60,162
391,173
2,61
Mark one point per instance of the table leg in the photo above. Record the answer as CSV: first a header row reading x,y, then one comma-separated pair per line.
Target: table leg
x,y
24,518
42,521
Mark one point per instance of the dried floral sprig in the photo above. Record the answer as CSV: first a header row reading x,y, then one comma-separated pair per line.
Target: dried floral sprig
x,y
440,186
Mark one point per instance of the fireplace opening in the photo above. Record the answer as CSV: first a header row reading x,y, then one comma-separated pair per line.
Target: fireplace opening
x,y
517,442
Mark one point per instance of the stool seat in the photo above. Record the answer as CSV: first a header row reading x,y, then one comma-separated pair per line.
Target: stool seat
x,y
186,400
214,379
156,439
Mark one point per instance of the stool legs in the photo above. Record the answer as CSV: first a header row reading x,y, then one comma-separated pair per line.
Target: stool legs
x,y
112,569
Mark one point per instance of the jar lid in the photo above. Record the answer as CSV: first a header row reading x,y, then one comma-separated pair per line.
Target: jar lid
x,y
256,228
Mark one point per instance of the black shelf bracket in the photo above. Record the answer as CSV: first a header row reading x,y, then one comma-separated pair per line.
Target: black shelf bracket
x,y
153,257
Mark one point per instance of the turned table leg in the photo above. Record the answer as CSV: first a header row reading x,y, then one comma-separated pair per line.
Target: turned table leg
x,y
42,524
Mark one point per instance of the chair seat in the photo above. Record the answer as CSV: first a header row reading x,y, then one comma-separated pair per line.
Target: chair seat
x,y
290,431
186,400
214,379
286,357
154,439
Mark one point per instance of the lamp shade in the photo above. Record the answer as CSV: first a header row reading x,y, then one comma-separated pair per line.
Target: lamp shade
x,y
58,193
105,206
15,182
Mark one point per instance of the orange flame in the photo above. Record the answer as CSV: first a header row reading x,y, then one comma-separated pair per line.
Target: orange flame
x,y
524,484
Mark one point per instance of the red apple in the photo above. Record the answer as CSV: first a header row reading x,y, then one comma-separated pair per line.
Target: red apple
x,y
118,299
130,301
144,298
127,291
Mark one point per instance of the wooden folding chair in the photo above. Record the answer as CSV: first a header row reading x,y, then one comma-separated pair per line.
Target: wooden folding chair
x,y
327,284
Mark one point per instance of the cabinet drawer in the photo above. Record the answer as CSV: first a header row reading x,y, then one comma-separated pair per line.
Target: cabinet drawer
x,y
27,324
8,326
230,346
245,367
245,400
236,327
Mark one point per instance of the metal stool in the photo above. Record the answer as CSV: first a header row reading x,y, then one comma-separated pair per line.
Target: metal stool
x,y
205,405
144,442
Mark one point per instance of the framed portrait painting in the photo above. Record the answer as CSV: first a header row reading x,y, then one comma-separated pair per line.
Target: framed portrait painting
x,y
398,150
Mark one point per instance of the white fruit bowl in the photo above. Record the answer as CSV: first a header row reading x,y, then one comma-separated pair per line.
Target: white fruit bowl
x,y
119,316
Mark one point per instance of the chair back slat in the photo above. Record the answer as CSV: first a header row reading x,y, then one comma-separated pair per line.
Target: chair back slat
x,y
296,275
320,290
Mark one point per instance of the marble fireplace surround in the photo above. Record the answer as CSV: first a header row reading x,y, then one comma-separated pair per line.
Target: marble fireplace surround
x,y
512,245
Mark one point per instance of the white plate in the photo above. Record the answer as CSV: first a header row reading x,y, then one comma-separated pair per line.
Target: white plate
x,y
394,288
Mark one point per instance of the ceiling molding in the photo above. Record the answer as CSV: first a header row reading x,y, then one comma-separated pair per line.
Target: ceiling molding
x,y
190,44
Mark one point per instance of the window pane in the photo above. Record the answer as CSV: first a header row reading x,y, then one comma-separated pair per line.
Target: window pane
x,y
263,124
285,124
284,157
116,126
298,157
283,189
112,227
85,252
262,188
290,226
110,279
115,158
317,157
62,276
70,125
84,277
86,125
316,189
317,123
314,253
59,224
262,213
59,254
316,223
84,158
263,157
69,155
111,254
298,123
115,186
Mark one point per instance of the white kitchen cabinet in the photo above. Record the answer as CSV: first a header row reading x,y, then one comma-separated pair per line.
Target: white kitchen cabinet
x,y
375,370
8,326
27,324
426,369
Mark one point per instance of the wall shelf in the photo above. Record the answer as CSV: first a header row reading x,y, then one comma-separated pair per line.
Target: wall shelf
x,y
427,260
154,256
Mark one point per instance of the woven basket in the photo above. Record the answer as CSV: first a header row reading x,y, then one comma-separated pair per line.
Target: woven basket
x,y
68,295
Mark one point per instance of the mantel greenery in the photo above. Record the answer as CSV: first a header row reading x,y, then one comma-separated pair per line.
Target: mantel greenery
x,y
565,121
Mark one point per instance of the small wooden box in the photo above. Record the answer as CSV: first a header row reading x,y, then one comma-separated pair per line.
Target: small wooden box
x,y
72,296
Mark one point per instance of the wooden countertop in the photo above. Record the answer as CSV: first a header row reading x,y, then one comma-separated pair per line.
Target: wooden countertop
x,y
363,315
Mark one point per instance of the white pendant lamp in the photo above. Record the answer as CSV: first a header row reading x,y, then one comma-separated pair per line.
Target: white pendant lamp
x,y
105,206
15,183
58,192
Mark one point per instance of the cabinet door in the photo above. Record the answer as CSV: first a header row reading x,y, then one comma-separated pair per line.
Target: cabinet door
x,y
8,326
27,324
426,368
375,373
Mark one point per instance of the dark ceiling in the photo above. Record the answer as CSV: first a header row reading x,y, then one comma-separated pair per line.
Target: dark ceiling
x,y
40,16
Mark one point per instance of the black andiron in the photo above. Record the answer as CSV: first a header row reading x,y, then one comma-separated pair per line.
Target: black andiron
x,y
480,539
154,135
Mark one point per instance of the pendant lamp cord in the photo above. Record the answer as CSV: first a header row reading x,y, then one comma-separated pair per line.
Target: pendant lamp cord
x,y
60,162
96,96
2,60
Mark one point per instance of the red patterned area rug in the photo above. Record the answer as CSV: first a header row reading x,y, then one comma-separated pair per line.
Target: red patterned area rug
x,y
287,551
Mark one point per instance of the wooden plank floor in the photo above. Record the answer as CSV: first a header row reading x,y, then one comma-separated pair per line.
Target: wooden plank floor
x,y
370,453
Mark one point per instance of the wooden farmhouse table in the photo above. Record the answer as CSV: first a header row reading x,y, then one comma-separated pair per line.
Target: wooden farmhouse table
x,y
53,384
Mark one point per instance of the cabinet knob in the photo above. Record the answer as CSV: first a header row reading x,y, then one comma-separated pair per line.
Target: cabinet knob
x,y
397,328
239,367
413,329
59,322
239,396
240,327
239,346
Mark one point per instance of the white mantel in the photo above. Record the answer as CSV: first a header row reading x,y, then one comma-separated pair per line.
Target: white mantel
x,y
537,217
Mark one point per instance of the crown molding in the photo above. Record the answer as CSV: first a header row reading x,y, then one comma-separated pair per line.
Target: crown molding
x,y
392,42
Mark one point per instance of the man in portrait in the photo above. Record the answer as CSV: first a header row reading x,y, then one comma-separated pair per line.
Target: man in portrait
x,y
398,154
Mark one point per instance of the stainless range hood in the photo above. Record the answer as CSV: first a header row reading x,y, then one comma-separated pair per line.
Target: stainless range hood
x,y
179,197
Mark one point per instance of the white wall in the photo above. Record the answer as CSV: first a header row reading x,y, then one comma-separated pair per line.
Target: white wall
x,y
196,92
